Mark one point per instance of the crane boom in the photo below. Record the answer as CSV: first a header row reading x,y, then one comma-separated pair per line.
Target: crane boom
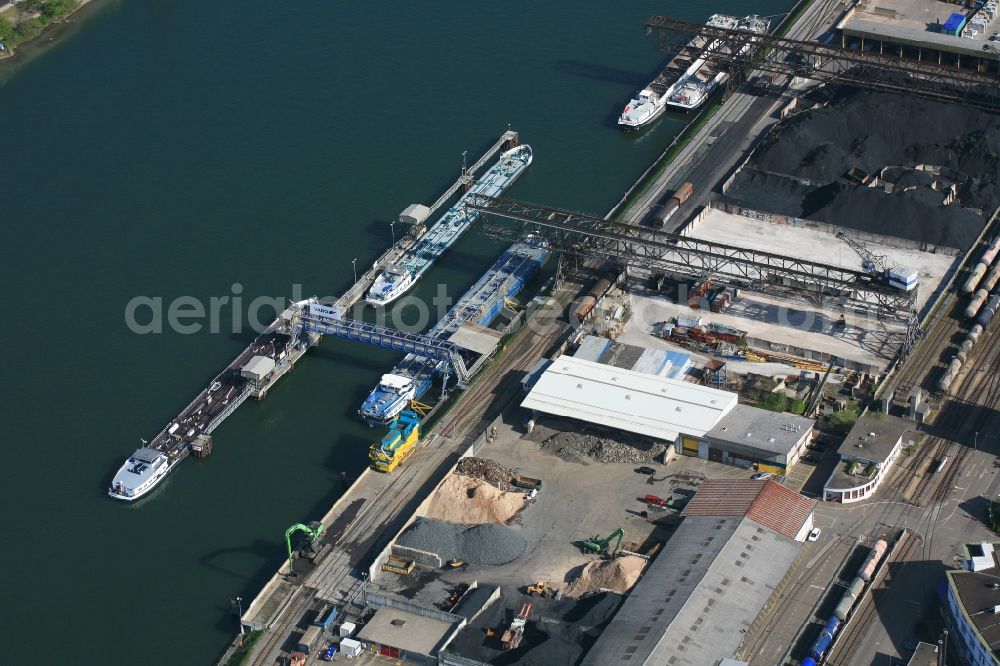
x,y
871,262
314,530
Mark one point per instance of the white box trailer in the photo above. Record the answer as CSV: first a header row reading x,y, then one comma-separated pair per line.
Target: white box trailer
x,y
350,647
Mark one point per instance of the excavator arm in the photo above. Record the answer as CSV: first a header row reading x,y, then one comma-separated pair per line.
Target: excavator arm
x,y
314,531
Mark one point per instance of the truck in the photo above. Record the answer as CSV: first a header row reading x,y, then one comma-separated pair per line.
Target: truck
x,y
399,565
309,639
525,482
512,637
654,500
681,194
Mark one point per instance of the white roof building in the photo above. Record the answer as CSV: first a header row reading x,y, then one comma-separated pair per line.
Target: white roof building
x,y
627,400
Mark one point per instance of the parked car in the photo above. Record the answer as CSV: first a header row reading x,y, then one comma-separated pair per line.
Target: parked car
x,y
814,534
762,476
645,470
816,446
810,458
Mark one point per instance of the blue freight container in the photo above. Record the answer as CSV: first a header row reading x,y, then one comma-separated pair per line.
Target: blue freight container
x,y
954,25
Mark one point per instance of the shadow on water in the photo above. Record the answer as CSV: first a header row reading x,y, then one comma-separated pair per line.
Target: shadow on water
x,y
596,72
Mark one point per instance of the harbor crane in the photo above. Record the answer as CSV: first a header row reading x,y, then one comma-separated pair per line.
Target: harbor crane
x,y
871,262
314,532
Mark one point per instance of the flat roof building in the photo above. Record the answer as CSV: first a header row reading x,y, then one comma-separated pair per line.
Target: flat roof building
x,y
973,598
712,578
413,636
928,30
866,456
748,436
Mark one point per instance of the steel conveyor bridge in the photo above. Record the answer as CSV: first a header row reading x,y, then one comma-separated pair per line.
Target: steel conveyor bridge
x,y
424,346
693,258
741,52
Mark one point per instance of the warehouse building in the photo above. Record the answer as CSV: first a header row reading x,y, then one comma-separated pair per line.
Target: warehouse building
x,y
932,31
700,595
699,421
627,400
972,599
866,457
751,437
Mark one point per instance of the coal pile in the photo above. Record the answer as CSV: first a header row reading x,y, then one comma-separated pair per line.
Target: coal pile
x,y
575,447
868,131
916,214
476,544
488,470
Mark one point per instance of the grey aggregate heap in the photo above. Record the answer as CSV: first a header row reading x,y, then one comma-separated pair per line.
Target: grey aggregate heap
x,y
475,544
574,447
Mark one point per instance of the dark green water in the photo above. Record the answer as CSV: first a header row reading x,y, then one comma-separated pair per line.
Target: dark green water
x,y
173,148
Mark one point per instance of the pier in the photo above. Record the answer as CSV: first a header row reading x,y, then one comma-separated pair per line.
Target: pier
x,y
273,353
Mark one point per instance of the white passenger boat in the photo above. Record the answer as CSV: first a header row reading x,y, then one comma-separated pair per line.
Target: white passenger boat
x,y
143,470
391,283
644,109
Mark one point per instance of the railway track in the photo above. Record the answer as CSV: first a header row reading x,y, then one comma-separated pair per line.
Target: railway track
x,y
859,623
264,656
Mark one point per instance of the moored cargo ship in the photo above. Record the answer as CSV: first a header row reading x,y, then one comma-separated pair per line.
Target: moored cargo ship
x,y
400,277
412,377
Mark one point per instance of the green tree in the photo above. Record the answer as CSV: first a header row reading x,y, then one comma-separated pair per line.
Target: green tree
x,y
842,421
7,33
798,406
774,402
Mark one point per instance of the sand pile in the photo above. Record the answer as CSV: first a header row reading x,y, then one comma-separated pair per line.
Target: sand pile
x,y
461,499
618,575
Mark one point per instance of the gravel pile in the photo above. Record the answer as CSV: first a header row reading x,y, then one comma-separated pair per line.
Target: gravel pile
x,y
476,544
488,470
576,447
870,131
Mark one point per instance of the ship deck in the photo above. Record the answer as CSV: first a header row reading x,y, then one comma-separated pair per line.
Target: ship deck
x,y
516,264
457,220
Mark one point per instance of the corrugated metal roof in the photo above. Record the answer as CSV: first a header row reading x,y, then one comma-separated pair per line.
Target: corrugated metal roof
x,y
592,348
698,596
765,502
627,400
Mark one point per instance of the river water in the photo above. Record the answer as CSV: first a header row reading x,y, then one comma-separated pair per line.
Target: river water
x,y
178,148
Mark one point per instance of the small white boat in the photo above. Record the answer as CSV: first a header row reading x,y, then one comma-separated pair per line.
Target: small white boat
x,y
143,470
644,109
391,283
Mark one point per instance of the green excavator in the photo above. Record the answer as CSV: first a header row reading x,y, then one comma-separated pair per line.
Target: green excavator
x,y
596,544
314,532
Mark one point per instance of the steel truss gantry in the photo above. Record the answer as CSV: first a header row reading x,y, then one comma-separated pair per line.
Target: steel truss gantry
x,y
742,52
693,258
424,346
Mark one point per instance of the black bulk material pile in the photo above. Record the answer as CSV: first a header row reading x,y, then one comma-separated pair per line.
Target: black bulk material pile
x,y
869,131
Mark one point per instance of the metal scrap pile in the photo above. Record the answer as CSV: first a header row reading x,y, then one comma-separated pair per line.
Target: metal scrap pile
x,y
574,446
475,544
488,470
